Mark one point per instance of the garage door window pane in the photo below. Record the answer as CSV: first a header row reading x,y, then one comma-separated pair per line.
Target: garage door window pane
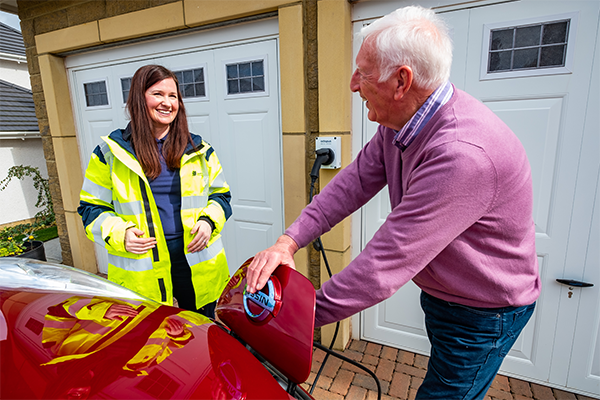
x,y
244,69
501,61
528,36
502,39
232,71
552,55
95,94
555,33
524,47
245,77
125,86
191,82
526,58
258,84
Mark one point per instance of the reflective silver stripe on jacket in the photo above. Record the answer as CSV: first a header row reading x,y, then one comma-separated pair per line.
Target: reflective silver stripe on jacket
x,y
128,208
97,228
219,181
131,264
206,254
192,202
98,191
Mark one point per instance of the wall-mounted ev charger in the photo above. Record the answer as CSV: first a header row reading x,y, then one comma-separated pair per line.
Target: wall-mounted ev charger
x,y
335,144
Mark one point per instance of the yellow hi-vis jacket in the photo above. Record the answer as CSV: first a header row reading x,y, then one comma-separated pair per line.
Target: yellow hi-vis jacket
x,y
116,195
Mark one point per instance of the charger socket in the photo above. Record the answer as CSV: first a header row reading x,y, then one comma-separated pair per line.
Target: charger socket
x,y
335,144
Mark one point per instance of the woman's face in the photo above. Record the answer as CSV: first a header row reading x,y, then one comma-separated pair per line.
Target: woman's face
x,y
163,104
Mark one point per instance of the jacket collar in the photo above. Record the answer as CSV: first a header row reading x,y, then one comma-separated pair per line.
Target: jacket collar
x,y
123,138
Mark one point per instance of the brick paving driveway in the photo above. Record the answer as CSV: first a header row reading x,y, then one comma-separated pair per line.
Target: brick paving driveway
x,y
400,374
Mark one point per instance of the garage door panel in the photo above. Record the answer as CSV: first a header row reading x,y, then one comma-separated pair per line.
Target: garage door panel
x,y
536,122
249,239
201,125
253,176
251,213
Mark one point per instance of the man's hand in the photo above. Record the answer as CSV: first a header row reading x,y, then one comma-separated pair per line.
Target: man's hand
x,y
202,230
135,243
265,262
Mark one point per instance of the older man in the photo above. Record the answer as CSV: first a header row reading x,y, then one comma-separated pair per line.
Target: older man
x,y
461,224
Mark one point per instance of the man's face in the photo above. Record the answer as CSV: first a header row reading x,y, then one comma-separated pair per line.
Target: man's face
x,y
379,96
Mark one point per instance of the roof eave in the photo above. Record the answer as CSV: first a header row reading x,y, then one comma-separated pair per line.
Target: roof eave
x,y
13,57
20,135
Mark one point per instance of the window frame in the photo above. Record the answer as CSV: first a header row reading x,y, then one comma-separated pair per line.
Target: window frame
x,y
205,71
570,47
107,86
257,57
124,103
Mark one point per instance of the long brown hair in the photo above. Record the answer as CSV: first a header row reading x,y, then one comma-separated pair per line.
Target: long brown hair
x,y
142,137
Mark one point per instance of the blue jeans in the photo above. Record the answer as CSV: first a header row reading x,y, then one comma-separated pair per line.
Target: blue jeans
x,y
468,345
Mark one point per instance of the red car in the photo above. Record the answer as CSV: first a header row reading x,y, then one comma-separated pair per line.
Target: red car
x,y
68,334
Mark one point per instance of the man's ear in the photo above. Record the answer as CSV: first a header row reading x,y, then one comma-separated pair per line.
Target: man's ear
x,y
403,77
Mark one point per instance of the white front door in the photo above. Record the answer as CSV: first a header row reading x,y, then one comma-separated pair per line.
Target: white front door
x,y
243,126
554,112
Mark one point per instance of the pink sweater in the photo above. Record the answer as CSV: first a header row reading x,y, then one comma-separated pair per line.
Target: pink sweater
x,y
461,225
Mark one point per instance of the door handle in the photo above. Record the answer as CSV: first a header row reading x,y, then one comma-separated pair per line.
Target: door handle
x,y
571,282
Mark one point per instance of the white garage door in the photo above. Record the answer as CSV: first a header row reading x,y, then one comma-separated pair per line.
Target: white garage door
x,y
554,113
231,95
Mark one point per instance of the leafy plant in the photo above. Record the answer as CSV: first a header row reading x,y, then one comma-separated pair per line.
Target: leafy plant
x,y
13,246
12,239
46,215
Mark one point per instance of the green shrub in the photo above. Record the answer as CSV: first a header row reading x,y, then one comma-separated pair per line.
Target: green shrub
x,y
12,239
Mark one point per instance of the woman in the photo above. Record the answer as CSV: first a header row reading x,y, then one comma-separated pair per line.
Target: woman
x,y
154,195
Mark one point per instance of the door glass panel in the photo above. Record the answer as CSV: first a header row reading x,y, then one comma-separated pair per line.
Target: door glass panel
x,y
528,47
95,94
500,61
555,33
191,82
125,86
527,58
245,77
528,36
502,39
552,55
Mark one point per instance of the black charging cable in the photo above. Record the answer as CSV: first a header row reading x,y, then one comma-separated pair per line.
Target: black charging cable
x,y
326,156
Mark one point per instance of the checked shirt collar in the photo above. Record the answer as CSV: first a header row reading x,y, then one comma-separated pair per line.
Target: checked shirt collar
x,y
411,129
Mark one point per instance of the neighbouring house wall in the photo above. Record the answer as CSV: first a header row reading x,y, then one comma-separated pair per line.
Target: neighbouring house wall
x,y
19,198
15,72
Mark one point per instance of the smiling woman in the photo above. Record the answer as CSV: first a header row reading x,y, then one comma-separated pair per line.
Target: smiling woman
x,y
166,244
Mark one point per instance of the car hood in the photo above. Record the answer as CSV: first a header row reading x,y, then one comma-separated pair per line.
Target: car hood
x,y
60,344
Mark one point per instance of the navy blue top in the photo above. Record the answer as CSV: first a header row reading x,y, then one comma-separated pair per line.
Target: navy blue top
x,y
166,189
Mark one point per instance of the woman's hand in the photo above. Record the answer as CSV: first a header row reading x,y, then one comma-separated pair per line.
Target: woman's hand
x,y
135,243
174,327
203,231
120,312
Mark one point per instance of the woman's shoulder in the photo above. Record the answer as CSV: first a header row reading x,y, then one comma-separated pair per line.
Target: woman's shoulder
x,y
199,143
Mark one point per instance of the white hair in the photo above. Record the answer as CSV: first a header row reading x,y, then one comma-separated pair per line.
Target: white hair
x,y
416,37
